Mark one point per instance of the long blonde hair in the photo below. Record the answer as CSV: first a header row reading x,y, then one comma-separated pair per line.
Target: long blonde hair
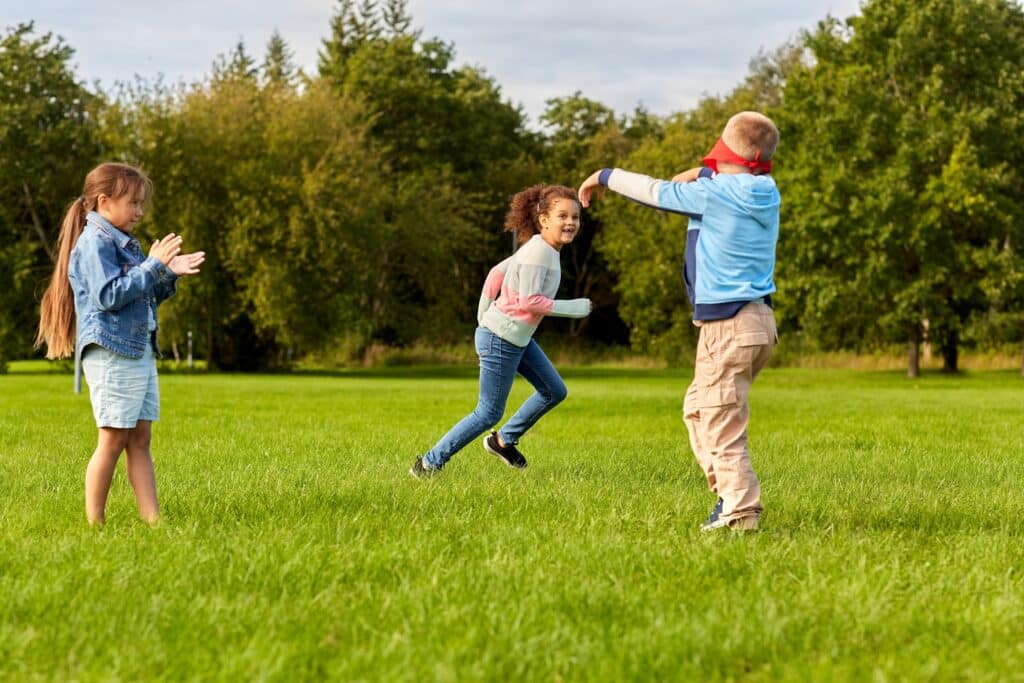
x,y
57,310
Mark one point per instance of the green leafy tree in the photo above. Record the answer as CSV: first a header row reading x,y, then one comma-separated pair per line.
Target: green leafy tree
x,y
313,240
325,249
583,134
48,143
237,66
396,17
432,123
901,161
278,69
200,144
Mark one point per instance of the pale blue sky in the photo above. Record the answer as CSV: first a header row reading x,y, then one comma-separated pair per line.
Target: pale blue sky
x,y
665,54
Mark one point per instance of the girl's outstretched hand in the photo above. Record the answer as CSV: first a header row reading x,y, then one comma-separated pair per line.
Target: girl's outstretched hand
x,y
187,264
166,249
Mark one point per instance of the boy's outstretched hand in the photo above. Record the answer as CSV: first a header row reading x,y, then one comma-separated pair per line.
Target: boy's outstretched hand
x,y
687,176
187,264
588,186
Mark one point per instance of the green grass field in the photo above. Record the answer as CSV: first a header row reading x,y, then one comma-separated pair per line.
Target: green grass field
x,y
295,546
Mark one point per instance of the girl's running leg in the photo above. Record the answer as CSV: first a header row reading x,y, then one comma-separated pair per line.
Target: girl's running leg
x,y
498,362
550,391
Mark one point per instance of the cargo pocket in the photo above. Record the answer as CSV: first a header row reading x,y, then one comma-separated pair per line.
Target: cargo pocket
x,y
755,326
721,394
752,330
759,338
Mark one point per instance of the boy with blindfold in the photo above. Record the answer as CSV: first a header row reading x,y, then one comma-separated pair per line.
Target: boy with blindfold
x,y
733,206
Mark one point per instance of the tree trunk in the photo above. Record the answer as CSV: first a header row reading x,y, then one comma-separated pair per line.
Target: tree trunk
x,y
37,224
951,353
914,354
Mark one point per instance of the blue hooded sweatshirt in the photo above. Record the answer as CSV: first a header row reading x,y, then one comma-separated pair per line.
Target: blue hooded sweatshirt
x,y
730,242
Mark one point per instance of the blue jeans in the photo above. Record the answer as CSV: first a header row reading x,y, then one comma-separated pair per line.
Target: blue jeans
x,y
499,362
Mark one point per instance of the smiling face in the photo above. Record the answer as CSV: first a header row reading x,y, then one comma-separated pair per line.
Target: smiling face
x,y
561,224
124,212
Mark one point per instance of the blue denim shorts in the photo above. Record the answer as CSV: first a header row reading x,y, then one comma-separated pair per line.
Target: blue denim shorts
x,y
122,390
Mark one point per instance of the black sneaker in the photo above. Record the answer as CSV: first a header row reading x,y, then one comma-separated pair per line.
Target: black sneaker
x,y
421,470
510,455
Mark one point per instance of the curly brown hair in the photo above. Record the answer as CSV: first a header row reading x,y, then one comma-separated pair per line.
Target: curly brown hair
x,y
523,217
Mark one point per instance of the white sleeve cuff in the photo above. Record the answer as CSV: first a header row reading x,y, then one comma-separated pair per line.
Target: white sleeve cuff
x,y
571,308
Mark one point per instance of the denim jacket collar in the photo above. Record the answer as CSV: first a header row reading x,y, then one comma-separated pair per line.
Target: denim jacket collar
x,y
123,239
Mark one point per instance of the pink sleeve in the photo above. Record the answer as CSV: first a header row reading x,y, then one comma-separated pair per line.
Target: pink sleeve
x,y
492,285
538,303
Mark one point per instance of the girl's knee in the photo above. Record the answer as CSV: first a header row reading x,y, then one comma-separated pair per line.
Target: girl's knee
x,y
140,437
558,393
111,439
489,415
138,443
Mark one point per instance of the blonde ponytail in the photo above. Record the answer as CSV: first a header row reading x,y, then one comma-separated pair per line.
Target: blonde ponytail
x,y
57,311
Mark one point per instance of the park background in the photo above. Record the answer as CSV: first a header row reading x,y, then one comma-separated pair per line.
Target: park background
x,y
349,214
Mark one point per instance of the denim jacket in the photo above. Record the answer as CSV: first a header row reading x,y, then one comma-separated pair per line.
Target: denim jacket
x,y
116,287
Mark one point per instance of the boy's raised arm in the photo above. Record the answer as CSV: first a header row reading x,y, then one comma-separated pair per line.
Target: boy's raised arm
x,y
684,198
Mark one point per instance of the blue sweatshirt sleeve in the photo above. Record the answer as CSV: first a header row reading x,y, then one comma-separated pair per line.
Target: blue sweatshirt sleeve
x,y
689,199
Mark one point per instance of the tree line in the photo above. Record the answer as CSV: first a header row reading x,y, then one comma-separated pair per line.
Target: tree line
x,y
360,204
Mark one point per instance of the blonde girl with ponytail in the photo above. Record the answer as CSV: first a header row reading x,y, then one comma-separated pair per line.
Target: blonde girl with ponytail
x,y
101,307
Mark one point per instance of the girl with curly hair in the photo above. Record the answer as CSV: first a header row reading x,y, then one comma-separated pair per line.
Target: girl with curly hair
x,y
517,294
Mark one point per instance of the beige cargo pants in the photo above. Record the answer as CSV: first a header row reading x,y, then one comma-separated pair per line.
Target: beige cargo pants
x,y
730,354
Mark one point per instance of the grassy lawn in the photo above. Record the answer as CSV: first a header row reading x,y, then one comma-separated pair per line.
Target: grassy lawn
x,y
295,546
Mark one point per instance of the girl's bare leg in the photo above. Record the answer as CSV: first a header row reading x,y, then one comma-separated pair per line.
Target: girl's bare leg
x,y
139,461
100,472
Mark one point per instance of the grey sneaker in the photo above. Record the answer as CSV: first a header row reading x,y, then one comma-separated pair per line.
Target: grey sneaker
x,y
420,470
715,513
749,523
509,454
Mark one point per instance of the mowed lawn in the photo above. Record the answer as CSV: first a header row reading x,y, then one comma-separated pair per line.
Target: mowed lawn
x,y
295,546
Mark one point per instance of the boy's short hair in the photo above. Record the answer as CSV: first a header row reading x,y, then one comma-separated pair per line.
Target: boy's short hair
x,y
750,132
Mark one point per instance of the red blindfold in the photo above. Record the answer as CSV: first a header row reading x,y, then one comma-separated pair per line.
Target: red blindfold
x,y
721,152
